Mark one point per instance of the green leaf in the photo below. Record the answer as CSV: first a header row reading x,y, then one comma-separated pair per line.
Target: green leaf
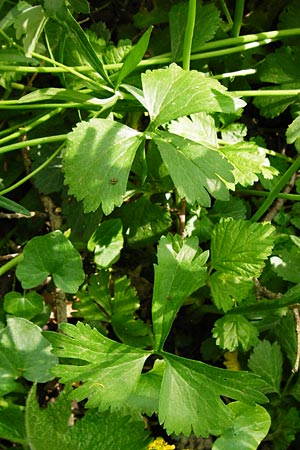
x,y
286,263
293,133
30,22
190,396
266,361
234,331
12,424
10,205
180,271
128,327
26,306
107,243
206,24
287,425
24,352
235,208
199,127
173,92
80,6
240,247
285,333
228,289
51,254
97,162
250,425
194,169
248,160
110,371
134,57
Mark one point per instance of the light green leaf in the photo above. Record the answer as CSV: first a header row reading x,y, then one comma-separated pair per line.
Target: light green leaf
x,y
240,247
110,371
51,254
10,205
199,127
173,92
24,352
135,56
8,20
228,289
206,24
180,271
26,306
107,243
30,22
97,162
250,425
12,424
234,331
248,160
194,169
128,327
266,361
190,396
293,133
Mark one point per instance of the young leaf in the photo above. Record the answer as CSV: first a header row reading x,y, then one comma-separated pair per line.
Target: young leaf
x,y
199,127
266,361
227,289
51,254
250,425
134,57
194,168
173,92
26,306
10,205
107,243
234,331
97,162
190,396
240,247
24,352
180,271
110,371
293,133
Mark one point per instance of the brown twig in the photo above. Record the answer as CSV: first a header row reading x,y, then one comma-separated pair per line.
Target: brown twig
x,y
182,218
297,320
262,291
23,216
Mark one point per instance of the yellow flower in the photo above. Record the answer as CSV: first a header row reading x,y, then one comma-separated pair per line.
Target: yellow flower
x,y
160,444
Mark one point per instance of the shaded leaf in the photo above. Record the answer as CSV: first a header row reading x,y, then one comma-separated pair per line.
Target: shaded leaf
x,y
190,396
51,254
194,169
97,162
234,331
180,271
109,372
173,92
250,425
10,205
12,424
228,289
30,22
266,361
285,333
107,243
286,263
26,306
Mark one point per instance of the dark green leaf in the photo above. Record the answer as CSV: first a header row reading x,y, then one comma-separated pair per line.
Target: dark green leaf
x,y
250,425
107,243
286,263
10,205
180,271
30,22
26,306
80,6
51,254
12,424
285,333
97,162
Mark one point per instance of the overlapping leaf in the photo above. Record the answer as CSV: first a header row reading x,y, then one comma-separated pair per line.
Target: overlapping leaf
x,y
97,162
194,168
234,331
107,243
180,271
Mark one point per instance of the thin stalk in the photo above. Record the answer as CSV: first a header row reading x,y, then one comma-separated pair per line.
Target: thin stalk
x,y
24,129
226,12
31,142
33,173
267,92
10,264
236,73
276,190
188,35
292,197
238,17
18,106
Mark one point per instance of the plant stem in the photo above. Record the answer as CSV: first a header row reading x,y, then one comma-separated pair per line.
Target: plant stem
x,y
238,17
292,197
277,188
34,172
30,125
31,142
10,264
188,35
267,92
226,12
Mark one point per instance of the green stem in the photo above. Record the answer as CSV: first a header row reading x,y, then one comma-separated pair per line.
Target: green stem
x,y
22,107
226,12
33,173
267,92
10,264
238,17
188,35
292,197
31,142
32,124
277,188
